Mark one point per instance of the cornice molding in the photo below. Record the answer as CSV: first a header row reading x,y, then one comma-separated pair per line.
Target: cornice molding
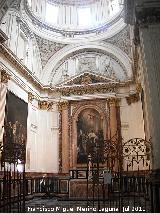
x,y
22,68
87,78
111,87
91,88
3,37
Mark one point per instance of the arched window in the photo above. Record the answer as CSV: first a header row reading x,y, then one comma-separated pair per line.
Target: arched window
x,y
51,13
84,17
30,3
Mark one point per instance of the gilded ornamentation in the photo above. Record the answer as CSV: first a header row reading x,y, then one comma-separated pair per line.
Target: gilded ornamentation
x,y
101,104
89,89
45,105
30,97
86,80
63,105
113,101
4,76
133,98
139,88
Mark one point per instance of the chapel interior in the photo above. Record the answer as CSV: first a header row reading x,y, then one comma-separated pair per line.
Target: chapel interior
x,y
79,105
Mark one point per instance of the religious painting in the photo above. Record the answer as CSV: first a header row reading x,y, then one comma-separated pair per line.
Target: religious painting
x,y
15,126
89,133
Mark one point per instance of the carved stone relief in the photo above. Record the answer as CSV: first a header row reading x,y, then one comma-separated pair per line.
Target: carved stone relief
x,y
47,49
122,40
16,4
93,62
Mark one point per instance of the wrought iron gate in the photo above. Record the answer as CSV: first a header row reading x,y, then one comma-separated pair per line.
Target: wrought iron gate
x,y
127,166
12,182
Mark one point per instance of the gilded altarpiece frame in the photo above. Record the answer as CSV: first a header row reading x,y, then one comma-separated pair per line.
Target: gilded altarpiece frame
x,y
98,108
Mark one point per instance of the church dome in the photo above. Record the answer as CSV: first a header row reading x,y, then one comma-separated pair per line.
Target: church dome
x,y
74,18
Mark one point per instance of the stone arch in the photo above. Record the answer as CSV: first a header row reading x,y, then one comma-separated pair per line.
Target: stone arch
x,y
66,51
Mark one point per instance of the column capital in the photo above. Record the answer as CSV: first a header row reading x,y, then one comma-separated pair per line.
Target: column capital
x,y
4,76
138,87
30,97
45,105
133,98
113,101
62,105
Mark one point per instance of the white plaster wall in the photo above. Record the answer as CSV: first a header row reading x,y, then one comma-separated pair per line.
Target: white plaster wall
x,y
18,39
42,143
42,135
132,122
42,125
47,141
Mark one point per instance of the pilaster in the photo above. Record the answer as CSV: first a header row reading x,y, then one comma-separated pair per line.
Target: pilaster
x,y
63,108
4,77
113,125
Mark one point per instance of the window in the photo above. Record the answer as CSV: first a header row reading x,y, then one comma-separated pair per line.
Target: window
x,y
84,17
115,6
30,3
22,52
51,13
